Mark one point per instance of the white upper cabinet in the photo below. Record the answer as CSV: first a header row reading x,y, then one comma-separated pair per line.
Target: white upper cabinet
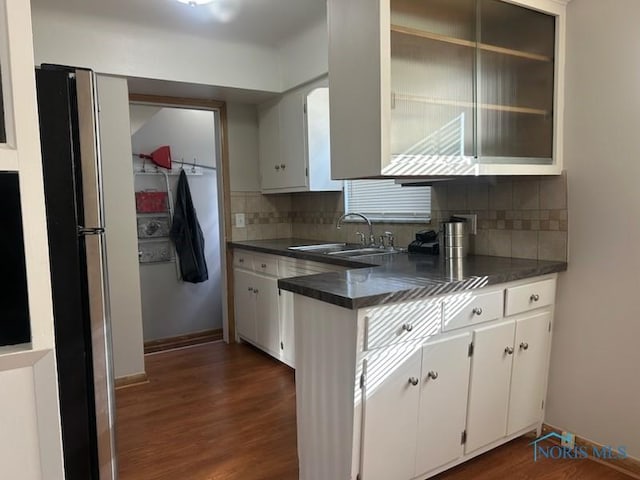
x,y
446,87
294,142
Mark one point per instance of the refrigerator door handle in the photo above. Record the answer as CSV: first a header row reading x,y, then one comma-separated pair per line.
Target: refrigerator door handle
x,y
82,231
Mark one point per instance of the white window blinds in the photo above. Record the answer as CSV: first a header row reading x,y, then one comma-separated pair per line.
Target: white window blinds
x,y
387,200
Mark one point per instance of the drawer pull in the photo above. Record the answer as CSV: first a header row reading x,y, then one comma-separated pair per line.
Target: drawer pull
x,y
432,375
477,311
524,346
508,350
407,327
414,381
535,297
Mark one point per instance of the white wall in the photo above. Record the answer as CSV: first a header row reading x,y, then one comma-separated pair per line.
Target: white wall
x,y
594,384
171,307
305,56
242,121
121,229
120,48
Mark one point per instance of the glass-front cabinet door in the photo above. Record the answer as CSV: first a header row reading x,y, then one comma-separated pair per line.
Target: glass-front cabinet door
x,y
467,87
516,50
433,86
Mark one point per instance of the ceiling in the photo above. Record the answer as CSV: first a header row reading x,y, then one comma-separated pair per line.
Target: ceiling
x,y
263,22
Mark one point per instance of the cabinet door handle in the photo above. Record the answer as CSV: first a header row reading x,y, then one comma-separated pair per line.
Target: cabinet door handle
x,y
283,166
414,381
241,260
264,265
477,311
535,297
250,289
277,167
432,375
524,346
255,290
508,350
407,327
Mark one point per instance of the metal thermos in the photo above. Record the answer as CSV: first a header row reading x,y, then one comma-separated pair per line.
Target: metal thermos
x,y
454,239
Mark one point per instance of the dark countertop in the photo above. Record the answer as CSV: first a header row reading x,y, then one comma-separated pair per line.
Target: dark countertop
x,y
399,277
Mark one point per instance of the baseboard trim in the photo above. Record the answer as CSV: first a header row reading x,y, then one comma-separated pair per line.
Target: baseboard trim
x,y
206,336
131,380
629,466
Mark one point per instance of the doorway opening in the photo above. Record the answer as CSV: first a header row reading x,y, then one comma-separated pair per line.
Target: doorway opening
x,y
178,308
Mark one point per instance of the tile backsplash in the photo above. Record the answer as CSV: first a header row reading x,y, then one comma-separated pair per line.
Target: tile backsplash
x,y
524,217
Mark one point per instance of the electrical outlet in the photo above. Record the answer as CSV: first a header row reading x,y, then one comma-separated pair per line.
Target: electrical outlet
x,y
240,220
472,221
568,440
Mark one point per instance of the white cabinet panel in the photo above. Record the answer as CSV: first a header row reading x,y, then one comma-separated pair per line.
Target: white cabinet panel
x,y
391,413
443,402
287,329
489,386
293,163
529,370
267,313
269,152
244,301
389,324
465,309
530,296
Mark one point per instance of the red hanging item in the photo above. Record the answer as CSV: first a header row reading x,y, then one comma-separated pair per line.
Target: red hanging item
x,y
160,156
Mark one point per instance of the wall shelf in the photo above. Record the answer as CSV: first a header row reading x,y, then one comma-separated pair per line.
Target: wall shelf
x,y
468,43
456,103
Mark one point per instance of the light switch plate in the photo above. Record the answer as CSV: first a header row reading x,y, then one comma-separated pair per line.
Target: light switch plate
x,y
240,220
472,220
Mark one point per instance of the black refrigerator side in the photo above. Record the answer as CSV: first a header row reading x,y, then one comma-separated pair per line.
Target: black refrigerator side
x,y
72,195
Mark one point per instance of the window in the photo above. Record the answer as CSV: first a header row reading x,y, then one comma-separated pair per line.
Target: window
x,y
385,200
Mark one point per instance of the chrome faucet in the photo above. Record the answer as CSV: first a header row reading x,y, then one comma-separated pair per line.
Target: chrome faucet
x,y
372,239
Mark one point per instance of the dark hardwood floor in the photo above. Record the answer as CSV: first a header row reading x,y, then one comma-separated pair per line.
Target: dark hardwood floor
x,y
227,412
211,412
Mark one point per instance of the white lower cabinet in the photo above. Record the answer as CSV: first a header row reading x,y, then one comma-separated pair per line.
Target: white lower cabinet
x,y
391,403
267,314
531,352
263,312
489,386
443,402
245,305
429,393
508,378
415,405
287,329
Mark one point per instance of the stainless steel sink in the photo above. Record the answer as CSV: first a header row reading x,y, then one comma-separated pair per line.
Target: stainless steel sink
x,y
356,252
343,250
321,248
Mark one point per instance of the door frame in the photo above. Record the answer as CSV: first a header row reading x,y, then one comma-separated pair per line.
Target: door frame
x,y
222,165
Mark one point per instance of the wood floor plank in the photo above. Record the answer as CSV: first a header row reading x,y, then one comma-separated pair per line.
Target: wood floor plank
x,y
227,412
216,411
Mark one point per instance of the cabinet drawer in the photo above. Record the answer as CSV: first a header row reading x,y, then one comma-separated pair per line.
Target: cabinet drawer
x,y
242,259
401,322
469,308
530,296
266,264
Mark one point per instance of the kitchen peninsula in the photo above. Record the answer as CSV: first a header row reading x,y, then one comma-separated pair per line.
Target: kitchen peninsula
x,y
407,365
